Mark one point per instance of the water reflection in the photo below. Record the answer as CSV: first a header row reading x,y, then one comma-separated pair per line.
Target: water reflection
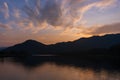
x,y
51,71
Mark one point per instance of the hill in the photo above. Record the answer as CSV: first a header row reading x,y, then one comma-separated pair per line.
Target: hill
x,y
83,46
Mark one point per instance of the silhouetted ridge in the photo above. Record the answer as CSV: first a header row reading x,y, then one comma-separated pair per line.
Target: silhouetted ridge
x,y
95,44
29,47
105,41
33,43
115,49
1,48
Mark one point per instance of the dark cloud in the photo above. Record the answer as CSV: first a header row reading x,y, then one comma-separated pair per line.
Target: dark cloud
x,y
111,28
54,12
65,13
49,12
4,26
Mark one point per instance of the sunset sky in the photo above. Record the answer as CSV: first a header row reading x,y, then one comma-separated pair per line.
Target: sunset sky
x,y
52,21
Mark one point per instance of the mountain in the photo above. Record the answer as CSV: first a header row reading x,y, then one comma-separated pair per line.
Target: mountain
x,y
82,46
85,44
115,49
26,48
1,48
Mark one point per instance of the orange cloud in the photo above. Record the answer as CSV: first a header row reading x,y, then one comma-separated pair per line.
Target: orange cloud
x,y
4,26
106,29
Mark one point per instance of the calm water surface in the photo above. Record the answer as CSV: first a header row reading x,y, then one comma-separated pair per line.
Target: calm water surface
x,y
51,71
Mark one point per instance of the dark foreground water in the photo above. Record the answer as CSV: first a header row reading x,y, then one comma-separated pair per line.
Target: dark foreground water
x,y
54,69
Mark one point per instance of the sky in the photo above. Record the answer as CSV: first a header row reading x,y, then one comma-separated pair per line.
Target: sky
x,y
53,21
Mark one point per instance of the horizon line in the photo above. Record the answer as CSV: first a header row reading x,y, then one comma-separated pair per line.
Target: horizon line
x,y
63,41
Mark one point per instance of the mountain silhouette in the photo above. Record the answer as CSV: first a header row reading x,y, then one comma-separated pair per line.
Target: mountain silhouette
x,y
26,48
86,44
1,48
95,45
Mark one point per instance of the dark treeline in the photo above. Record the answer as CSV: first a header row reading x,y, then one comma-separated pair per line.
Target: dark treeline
x,y
86,63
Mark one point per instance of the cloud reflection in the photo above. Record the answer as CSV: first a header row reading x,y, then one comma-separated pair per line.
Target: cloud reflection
x,y
50,71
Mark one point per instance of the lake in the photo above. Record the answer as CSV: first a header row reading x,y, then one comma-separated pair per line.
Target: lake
x,y
48,69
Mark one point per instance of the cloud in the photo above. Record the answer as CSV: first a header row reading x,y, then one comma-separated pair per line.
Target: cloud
x,y
4,26
6,10
83,31
65,13
105,3
54,12
51,21
50,13
99,4
105,29
17,13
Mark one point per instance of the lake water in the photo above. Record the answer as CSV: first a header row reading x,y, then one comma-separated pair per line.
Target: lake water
x,y
52,71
